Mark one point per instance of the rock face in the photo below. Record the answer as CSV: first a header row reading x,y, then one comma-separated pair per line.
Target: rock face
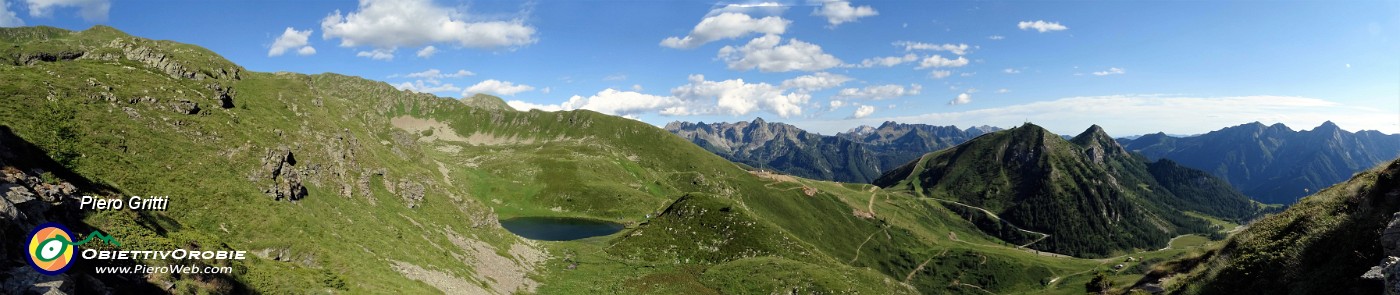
x,y
1389,268
279,166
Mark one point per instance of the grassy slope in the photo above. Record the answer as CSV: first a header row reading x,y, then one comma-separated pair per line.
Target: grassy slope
x,y
577,163
1321,245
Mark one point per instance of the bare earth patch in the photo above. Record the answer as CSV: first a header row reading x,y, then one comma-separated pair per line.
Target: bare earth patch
x,y
503,274
417,126
444,282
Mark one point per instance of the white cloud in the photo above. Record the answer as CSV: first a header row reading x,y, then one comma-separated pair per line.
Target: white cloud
x,y
389,24
637,87
963,98
7,17
735,97
727,25
940,74
377,54
1003,90
1011,71
615,77
546,90
526,106
698,97
959,49
427,52
764,54
996,37
888,61
817,81
839,12
1110,71
967,74
836,104
1041,26
505,88
89,10
291,38
863,111
879,92
937,61
612,102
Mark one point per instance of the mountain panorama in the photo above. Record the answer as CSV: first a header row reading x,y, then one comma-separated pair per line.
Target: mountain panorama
x,y
131,164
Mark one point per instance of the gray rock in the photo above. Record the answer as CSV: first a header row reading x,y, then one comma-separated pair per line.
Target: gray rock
x,y
1390,237
185,107
24,280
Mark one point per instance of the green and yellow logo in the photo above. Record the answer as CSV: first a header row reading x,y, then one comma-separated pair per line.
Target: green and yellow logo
x,y
51,247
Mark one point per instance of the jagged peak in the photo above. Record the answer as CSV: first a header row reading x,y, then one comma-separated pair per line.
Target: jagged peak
x,y
1328,125
758,120
1095,136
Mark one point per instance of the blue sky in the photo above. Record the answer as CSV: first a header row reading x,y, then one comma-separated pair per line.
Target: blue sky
x,y
1134,67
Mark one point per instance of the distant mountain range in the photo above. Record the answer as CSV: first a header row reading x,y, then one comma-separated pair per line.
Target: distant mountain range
x,y
1090,195
1272,163
859,155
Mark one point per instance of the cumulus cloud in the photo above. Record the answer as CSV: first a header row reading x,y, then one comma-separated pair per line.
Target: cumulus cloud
x,y
940,74
995,37
698,97
1110,71
836,104
7,17
863,111
427,52
377,54
611,101
938,61
962,98
89,10
766,55
958,49
839,12
1003,90
727,25
888,61
879,92
1011,71
736,97
814,82
291,38
1041,26
389,24
504,88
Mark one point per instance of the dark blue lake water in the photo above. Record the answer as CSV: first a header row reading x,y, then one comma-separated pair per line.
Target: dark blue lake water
x,y
559,228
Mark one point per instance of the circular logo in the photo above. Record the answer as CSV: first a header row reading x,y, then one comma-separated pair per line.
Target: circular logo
x,y
51,248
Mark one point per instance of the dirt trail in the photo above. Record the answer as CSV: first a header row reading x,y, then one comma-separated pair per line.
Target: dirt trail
x,y
862,245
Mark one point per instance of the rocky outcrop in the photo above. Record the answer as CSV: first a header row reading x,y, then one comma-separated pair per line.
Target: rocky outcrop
x,y
185,107
279,166
412,192
223,96
1389,268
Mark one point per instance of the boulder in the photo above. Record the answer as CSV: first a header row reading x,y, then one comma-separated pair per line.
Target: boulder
x,y
24,280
